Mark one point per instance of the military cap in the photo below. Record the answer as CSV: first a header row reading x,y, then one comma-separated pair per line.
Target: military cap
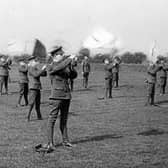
x,y
31,58
55,49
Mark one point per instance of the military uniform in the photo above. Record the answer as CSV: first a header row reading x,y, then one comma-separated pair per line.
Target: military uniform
x,y
163,79
71,81
60,97
23,83
35,86
86,70
4,74
151,81
108,80
115,74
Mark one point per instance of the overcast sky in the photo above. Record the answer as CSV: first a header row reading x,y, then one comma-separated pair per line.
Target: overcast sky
x,y
136,22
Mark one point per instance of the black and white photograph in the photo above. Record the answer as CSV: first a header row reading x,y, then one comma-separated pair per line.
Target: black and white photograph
x,y
83,84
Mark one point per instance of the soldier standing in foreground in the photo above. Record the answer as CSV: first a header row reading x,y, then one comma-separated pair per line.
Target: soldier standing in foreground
x,y
61,72
35,72
4,74
23,82
85,71
151,82
108,78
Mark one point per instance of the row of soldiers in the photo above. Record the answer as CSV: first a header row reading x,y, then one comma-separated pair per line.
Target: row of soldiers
x,y
153,69
61,71
111,77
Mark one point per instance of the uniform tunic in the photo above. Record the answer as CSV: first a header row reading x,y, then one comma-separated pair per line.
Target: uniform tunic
x,y
60,97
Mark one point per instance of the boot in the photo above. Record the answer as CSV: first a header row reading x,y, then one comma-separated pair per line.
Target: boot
x,y
39,117
29,114
152,100
110,93
50,132
148,103
26,100
106,93
19,101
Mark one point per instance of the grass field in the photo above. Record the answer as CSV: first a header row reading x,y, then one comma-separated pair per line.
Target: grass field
x,y
116,133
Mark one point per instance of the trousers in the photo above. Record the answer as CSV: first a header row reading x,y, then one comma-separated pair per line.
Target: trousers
x,y
163,82
24,89
4,81
150,93
57,106
115,78
35,99
85,79
108,87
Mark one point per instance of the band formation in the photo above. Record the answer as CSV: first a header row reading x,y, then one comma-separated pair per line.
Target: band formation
x,y
61,70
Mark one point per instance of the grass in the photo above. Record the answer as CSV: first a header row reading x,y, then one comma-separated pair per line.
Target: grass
x,y
116,133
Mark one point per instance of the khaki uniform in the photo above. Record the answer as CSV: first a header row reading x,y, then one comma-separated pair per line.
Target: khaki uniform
x,y
4,74
108,80
151,81
35,86
60,97
23,83
86,70
71,81
163,79
115,74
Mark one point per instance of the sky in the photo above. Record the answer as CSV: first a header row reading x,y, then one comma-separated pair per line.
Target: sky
x,y
137,23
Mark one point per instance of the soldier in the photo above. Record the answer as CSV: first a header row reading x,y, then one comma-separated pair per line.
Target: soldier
x,y
108,78
73,65
35,72
85,71
61,72
116,73
151,81
23,82
163,77
4,74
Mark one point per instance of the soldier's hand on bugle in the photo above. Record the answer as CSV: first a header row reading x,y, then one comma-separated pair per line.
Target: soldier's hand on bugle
x,y
72,56
44,67
145,81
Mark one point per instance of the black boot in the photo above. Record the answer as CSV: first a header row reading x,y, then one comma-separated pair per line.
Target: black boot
x,y
148,103
19,101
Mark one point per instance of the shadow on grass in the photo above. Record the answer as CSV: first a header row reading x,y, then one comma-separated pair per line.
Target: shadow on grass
x,y
152,132
162,102
126,86
36,119
95,138
73,114
83,90
96,86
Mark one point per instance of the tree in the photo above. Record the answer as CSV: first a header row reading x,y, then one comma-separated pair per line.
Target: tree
x,y
136,58
82,53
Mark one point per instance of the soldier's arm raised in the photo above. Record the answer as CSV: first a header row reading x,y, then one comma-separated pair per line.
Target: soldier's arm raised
x,y
110,66
155,69
3,64
35,72
59,66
